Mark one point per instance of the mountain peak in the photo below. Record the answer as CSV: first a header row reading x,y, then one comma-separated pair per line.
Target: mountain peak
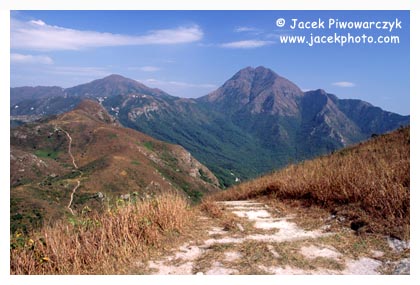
x,y
258,90
249,73
262,78
94,110
116,78
113,85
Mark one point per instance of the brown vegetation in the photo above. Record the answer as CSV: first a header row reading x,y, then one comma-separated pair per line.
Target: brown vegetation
x,y
111,161
101,243
227,220
368,184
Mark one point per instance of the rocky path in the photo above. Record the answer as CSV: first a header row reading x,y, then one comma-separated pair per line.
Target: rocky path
x,y
69,150
75,167
71,197
268,241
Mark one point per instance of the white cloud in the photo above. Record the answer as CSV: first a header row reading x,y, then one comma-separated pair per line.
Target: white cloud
x,y
276,36
180,88
80,71
38,22
146,68
242,29
37,35
247,44
343,84
30,59
161,84
49,75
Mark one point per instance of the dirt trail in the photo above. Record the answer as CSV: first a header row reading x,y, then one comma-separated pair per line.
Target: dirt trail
x,y
71,197
75,167
267,241
69,149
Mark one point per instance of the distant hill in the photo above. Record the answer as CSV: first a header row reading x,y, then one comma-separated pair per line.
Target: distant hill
x,y
110,162
255,122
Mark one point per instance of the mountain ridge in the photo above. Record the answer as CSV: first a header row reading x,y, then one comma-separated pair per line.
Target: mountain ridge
x,y
87,150
113,84
255,122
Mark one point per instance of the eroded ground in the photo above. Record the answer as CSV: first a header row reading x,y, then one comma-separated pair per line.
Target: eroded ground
x,y
279,239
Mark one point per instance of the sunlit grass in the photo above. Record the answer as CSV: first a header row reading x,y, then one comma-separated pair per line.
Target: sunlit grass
x,y
100,243
368,183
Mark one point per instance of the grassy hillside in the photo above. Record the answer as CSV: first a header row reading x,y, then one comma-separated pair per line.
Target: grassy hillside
x,y
368,184
105,243
51,174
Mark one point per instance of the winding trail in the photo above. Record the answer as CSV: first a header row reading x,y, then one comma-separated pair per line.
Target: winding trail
x,y
71,197
71,155
75,166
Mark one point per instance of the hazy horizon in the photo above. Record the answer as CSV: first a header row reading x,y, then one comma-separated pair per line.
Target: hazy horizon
x,y
189,53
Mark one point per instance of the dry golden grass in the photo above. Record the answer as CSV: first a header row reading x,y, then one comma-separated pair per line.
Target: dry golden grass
x,y
211,209
228,220
102,243
369,184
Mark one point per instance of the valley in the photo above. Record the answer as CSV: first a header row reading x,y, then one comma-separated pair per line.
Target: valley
x,y
323,216
134,177
255,122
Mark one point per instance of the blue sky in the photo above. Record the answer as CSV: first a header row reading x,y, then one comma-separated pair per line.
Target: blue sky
x,y
191,53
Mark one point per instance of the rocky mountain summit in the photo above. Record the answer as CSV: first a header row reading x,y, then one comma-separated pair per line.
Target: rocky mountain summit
x,y
256,90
